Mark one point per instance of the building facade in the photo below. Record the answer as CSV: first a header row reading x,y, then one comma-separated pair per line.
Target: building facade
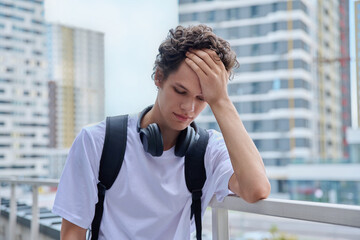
x,y
331,134
275,89
292,89
76,81
344,60
287,87
24,118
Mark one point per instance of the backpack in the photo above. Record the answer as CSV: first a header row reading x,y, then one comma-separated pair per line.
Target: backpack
x,y
111,161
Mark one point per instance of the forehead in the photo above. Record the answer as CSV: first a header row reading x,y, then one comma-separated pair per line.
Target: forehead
x,y
186,77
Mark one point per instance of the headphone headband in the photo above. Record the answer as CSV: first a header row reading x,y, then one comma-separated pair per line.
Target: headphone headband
x,y
147,109
152,141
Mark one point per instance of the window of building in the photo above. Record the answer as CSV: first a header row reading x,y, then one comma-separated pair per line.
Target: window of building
x,y
275,26
12,17
276,84
255,49
195,16
210,16
24,9
255,30
232,13
274,6
254,11
7,5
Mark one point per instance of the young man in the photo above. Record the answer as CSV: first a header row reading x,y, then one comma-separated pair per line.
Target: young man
x,y
149,199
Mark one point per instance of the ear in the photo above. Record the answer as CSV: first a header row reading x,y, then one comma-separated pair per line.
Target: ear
x,y
159,76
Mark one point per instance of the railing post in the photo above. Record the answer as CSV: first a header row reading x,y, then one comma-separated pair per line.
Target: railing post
x,y
35,214
220,225
13,209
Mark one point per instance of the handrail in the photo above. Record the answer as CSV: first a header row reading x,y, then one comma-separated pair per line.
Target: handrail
x,y
338,214
35,183
31,181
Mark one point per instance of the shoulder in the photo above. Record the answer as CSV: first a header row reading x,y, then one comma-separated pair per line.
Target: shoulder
x,y
94,131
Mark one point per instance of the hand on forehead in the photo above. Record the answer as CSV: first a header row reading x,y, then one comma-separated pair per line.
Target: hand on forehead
x,y
205,53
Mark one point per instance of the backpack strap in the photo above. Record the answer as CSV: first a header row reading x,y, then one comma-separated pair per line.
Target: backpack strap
x,y
111,160
195,176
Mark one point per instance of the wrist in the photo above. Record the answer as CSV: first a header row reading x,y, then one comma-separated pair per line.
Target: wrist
x,y
221,104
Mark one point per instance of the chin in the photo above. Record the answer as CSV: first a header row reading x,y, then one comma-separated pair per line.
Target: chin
x,y
180,126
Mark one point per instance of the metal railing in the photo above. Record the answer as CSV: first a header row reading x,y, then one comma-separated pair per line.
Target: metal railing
x,y
338,214
35,184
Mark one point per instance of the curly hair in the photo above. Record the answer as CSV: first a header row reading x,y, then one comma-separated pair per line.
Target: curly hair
x,y
179,40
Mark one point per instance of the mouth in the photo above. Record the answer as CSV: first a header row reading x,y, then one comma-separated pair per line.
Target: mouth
x,y
182,117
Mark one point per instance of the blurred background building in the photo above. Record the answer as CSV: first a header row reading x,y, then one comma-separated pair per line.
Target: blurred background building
x,y
24,120
76,81
344,60
51,85
292,89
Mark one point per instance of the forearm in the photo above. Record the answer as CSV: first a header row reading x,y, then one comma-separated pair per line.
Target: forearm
x,y
252,183
70,231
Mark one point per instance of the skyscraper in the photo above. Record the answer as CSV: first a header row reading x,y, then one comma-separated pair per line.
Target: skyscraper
x,y
287,87
292,87
24,118
275,90
76,74
329,80
344,60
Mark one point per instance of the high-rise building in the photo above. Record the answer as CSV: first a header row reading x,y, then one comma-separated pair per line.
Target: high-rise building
x,y
344,60
330,136
76,81
287,87
24,118
357,43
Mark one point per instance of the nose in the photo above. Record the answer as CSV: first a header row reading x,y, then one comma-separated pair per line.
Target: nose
x,y
188,105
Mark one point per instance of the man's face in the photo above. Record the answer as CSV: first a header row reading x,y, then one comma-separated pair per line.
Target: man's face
x,y
180,98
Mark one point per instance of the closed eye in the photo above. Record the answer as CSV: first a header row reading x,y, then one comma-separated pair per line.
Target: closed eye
x,y
178,91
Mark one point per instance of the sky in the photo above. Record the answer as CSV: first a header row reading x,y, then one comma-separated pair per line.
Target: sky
x,y
133,30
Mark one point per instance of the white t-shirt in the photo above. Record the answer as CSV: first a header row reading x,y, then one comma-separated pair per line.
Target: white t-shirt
x,y
149,199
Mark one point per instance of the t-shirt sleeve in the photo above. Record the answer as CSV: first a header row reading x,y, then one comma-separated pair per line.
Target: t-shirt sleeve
x,y
77,191
219,166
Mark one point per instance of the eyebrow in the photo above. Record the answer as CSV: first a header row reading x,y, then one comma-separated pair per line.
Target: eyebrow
x,y
180,85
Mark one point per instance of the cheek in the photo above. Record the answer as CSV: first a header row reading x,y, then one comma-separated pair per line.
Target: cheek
x,y
200,107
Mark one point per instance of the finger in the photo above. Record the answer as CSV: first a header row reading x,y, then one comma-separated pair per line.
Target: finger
x,y
214,56
199,72
200,62
208,56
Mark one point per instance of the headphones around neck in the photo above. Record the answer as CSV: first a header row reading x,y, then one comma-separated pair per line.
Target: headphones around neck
x,y
153,143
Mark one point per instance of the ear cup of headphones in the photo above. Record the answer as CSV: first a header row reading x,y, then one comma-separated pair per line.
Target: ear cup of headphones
x,y
185,140
152,140
153,143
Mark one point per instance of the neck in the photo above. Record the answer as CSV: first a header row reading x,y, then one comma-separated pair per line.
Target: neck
x,y
169,135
